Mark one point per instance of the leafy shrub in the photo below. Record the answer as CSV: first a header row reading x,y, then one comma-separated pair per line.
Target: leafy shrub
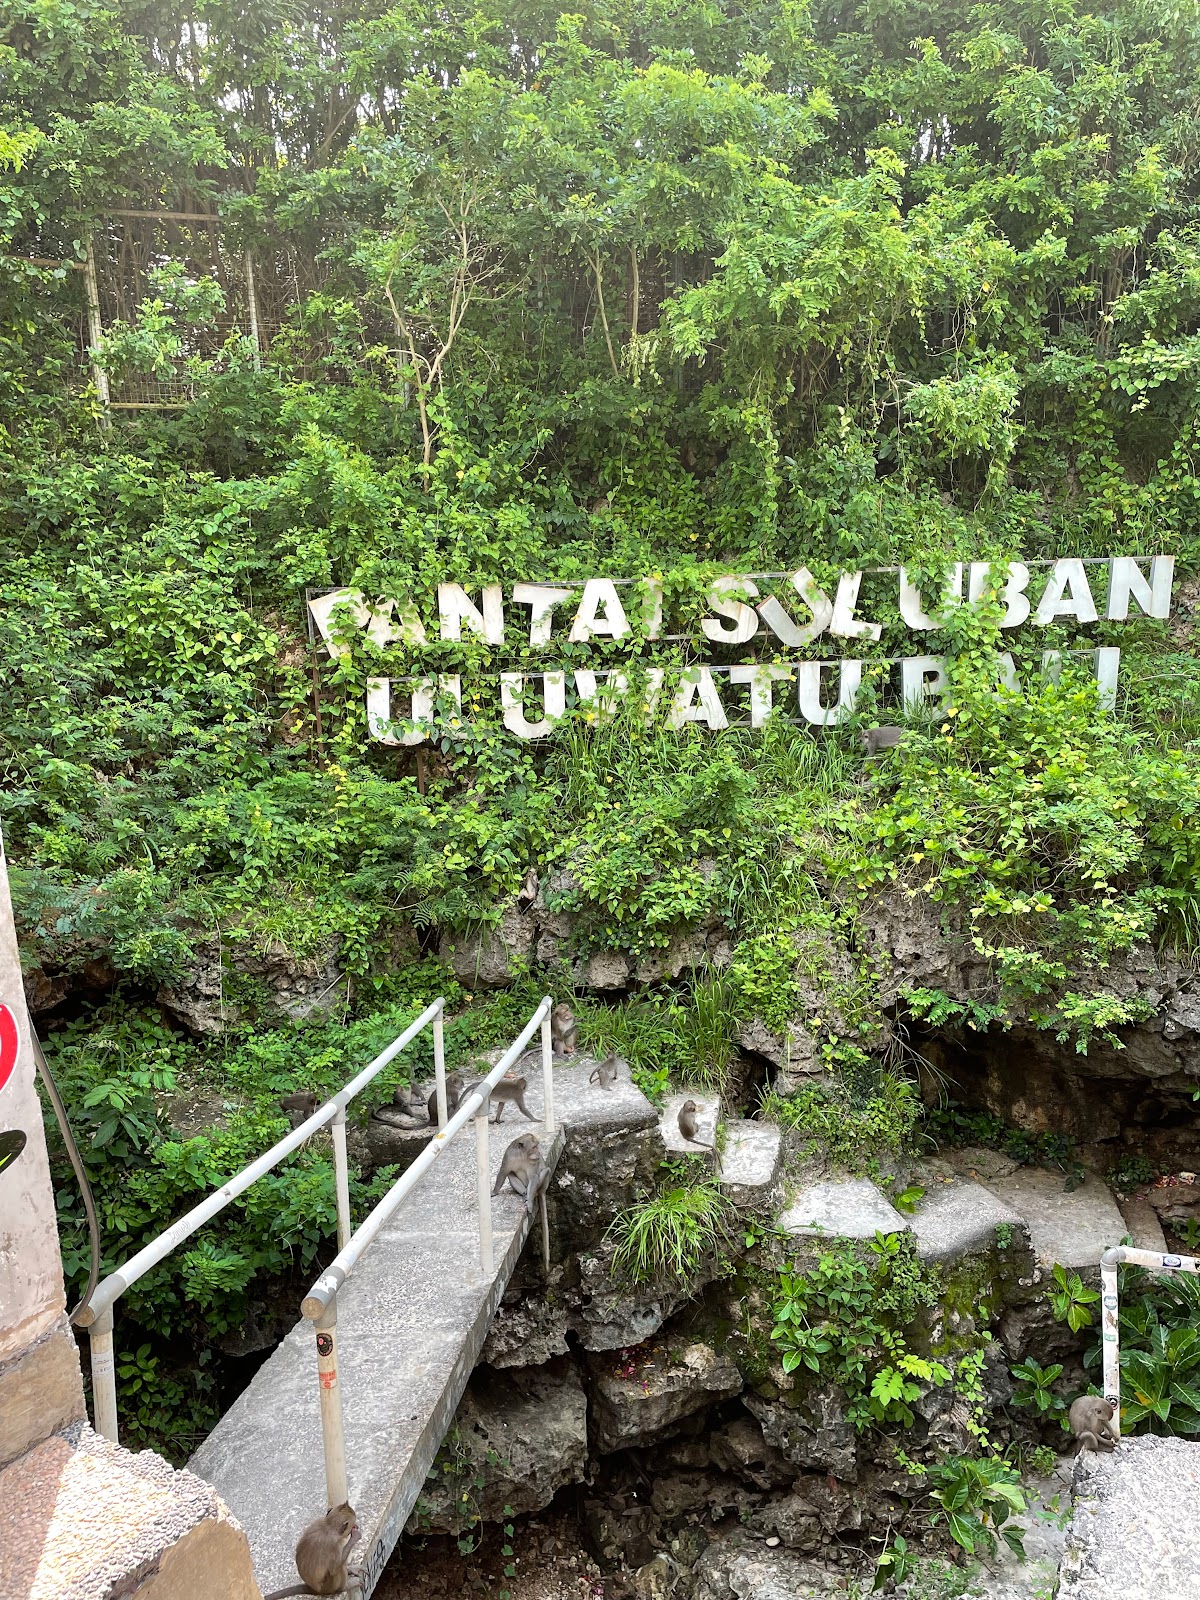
x,y
844,1320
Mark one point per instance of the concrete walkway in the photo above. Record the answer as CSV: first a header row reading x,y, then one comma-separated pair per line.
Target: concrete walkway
x,y
411,1323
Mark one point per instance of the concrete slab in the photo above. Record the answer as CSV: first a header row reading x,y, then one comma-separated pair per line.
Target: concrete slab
x,y
411,1323
958,1219
1142,1224
708,1109
750,1161
82,1519
846,1208
1067,1229
1134,1521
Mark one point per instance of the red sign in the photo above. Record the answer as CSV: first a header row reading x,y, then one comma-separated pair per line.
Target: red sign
x,y
10,1044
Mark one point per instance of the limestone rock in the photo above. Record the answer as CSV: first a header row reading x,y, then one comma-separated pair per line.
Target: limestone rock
x,y
208,998
524,1435
742,1569
527,1330
1132,1530
739,1448
795,1053
491,957
607,969
812,1432
639,1396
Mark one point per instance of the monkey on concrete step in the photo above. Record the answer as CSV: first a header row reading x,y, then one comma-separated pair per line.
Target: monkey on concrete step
x,y
605,1072
688,1123
511,1089
523,1169
1091,1421
563,1030
321,1555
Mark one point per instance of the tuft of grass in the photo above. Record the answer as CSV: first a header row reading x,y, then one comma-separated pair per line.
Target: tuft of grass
x,y
671,1233
708,1025
852,1126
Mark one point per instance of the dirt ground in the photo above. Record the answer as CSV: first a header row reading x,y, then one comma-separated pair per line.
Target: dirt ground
x,y
547,1561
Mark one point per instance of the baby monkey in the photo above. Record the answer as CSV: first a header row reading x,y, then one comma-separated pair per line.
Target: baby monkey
x,y
511,1089
297,1108
605,1072
563,1030
877,739
1091,1420
321,1553
522,1169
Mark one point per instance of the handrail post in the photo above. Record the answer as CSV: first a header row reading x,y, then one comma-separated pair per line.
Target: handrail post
x,y
1110,1312
341,1179
547,1071
104,1375
439,1068
333,1428
483,1161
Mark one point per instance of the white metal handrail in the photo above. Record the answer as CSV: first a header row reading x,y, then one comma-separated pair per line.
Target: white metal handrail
x,y
1110,1310
97,1315
320,1304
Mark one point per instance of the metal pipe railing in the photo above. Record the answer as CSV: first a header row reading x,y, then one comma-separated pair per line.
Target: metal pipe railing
x,y
97,1315
1110,1310
320,1304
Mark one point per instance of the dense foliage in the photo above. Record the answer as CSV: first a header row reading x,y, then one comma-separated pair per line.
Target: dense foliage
x,y
666,288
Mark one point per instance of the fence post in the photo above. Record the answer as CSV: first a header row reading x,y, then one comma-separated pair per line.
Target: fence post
x,y
1110,1311
104,1375
95,332
333,1428
547,1071
252,310
439,1068
341,1179
483,1161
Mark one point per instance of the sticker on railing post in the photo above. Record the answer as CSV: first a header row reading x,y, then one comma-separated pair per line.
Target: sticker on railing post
x,y
10,1044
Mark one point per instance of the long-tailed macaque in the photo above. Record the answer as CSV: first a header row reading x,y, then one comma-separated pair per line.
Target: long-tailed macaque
x,y
298,1107
510,1089
321,1555
1091,1421
563,1030
523,1169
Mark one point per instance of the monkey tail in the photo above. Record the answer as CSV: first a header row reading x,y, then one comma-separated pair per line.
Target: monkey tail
x,y
281,1594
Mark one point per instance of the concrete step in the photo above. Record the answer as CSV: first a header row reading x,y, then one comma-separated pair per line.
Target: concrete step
x,y
1133,1524
750,1161
83,1519
708,1109
959,1219
1070,1229
843,1208
411,1323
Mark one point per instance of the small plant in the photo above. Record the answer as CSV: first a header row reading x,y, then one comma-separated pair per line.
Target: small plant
x,y
1130,1173
978,1497
1040,1460
1189,1233
1035,1389
908,1199
1070,1299
1161,1384
672,1232
896,1562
